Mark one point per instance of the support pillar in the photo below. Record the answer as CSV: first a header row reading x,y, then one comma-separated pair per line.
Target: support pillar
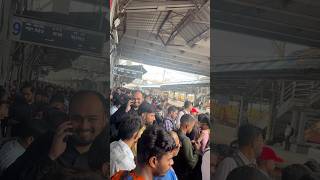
x,y
243,113
301,127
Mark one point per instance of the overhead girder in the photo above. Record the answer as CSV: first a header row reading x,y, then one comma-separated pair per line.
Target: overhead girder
x,y
293,21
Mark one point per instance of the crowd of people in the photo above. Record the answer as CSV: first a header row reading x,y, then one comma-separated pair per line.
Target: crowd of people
x,y
249,158
152,139
50,132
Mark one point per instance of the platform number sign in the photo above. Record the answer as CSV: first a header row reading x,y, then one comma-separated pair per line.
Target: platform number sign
x,y
16,29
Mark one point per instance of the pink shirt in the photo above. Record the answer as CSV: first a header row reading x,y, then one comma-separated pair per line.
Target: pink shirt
x,y
204,138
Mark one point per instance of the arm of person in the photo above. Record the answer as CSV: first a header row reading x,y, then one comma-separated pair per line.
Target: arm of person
x,y
33,164
191,155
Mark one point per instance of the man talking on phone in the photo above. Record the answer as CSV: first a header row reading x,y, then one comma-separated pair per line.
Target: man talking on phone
x,y
72,144
131,107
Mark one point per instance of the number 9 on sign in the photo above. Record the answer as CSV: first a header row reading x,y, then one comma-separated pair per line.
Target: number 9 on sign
x,y
16,28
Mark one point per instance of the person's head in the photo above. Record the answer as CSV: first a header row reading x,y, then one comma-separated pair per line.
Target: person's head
x,y
27,91
49,90
3,103
117,102
204,121
310,177
27,132
173,112
176,139
250,137
294,172
119,91
188,105
88,114
247,173
58,102
155,150
148,99
129,128
148,113
137,98
313,165
267,159
187,123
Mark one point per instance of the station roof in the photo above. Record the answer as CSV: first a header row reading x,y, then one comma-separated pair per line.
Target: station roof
x,y
171,34
295,21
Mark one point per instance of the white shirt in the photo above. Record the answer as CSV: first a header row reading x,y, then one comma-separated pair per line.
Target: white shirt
x,y
121,157
9,152
205,166
113,109
181,113
228,164
288,131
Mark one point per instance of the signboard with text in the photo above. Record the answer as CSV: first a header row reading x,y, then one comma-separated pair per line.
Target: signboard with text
x,y
56,35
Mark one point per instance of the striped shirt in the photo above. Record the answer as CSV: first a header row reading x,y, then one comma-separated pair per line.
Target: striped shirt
x,y
169,124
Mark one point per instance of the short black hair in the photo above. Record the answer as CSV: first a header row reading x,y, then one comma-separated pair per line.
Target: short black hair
x,y
78,95
28,85
247,173
313,176
187,104
29,129
154,141
204,119
313,165
146,108
294,172
138,91
57,98
129,125
172,109
186,118
247,134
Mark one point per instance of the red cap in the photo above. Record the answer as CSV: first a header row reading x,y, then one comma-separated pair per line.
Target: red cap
x,y
194,110
268,154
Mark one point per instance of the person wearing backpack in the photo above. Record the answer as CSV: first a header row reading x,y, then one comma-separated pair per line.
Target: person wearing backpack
x,y
187,108
250,147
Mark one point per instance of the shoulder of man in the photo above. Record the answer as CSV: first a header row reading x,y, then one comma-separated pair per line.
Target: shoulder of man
x,y
224,168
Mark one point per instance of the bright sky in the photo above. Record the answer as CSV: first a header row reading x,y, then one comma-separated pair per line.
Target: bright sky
x,y
157,75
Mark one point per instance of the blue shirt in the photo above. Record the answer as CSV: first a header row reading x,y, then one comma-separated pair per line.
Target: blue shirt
x,y
170,175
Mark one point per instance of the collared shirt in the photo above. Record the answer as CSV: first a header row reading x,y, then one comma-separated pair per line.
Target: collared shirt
x,y
9,152
121,157
228,164
169,124
113,109
265,174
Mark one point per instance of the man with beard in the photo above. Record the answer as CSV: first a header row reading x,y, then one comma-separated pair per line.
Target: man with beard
x,y
71,146
132,108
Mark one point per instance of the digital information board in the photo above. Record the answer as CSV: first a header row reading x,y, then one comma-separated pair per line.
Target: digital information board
x,y
56,35
127,72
